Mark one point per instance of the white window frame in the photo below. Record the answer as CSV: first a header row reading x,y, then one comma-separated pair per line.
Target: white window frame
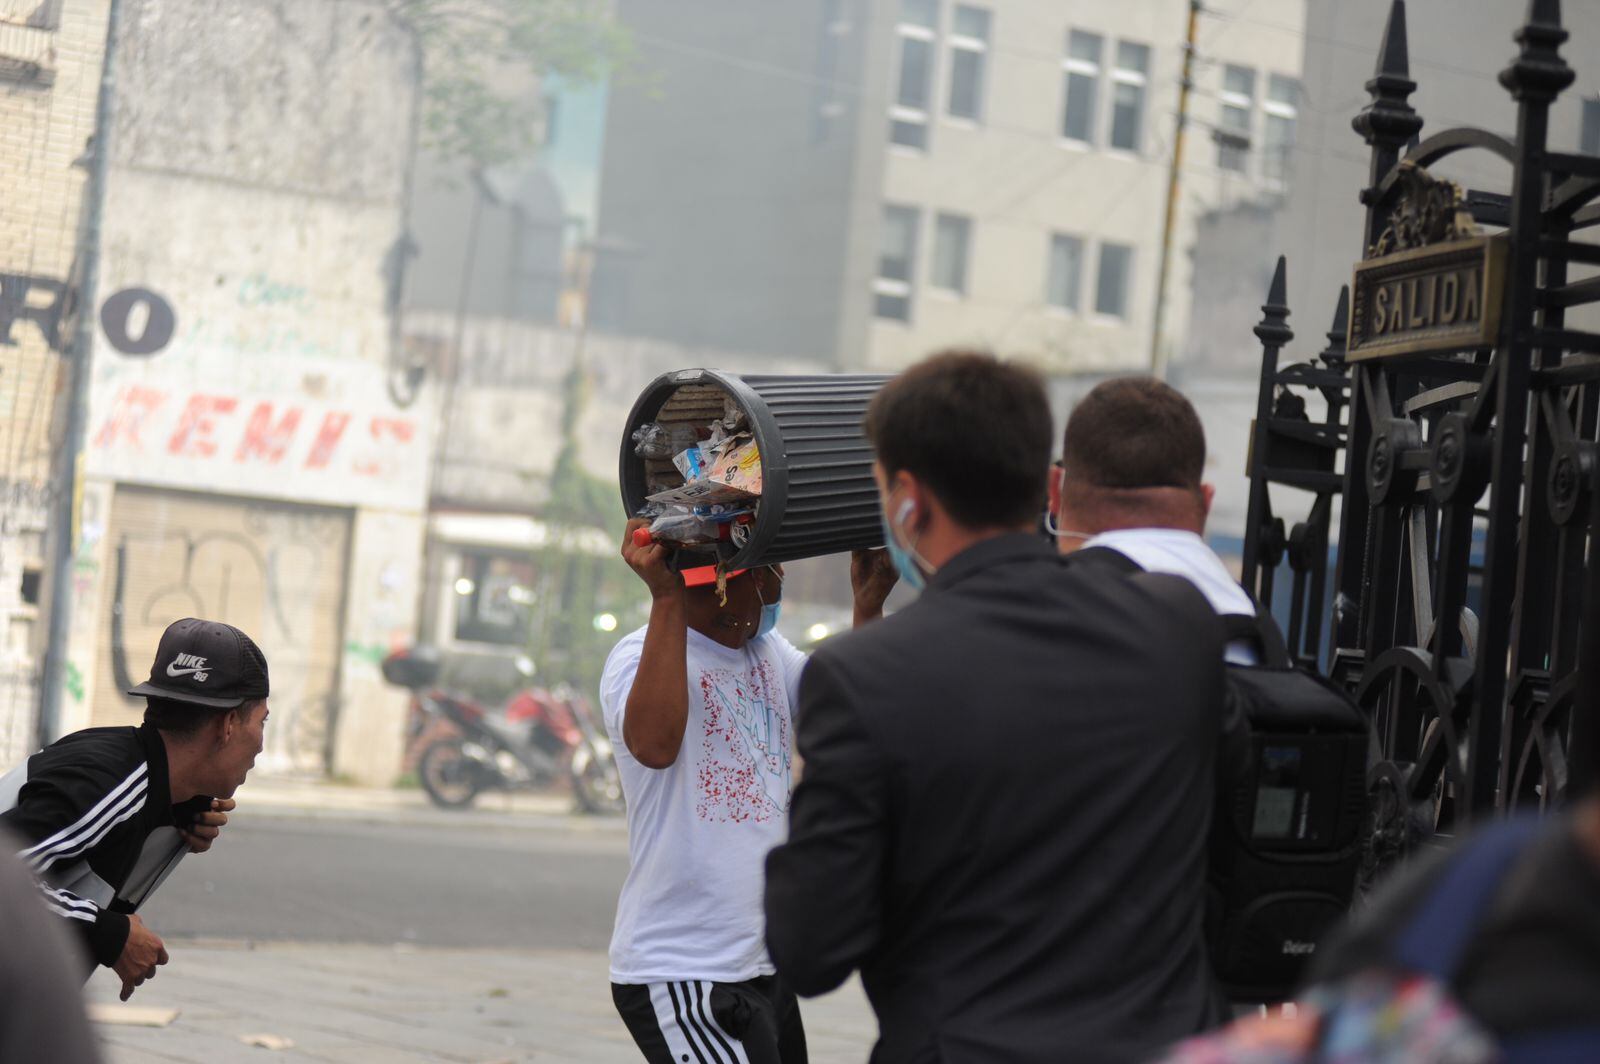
x,y
934,287
1276,109
1093,71
1052,307
960,42
1095,313
893,287
1127,76
1239,101
898,112
1590,105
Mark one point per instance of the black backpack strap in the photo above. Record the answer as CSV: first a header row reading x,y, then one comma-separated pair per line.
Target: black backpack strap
x,y
1262,632
1180,596
1106,558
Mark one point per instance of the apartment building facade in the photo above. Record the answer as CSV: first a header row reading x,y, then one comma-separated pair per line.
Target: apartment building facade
x,y
878,178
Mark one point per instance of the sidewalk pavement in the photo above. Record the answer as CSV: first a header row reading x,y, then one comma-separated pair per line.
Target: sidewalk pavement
x,y
354,1004
360,1004
319,799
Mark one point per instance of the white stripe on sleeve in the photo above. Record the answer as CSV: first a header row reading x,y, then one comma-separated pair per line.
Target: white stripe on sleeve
x,y
89,821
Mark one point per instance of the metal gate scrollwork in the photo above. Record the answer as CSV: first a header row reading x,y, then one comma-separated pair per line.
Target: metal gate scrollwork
x,y
1461,417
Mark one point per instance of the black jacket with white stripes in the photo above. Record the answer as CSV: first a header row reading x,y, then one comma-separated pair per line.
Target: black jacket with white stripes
x,y
91,801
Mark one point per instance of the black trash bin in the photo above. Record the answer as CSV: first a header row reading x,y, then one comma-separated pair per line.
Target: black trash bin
x,y
818,496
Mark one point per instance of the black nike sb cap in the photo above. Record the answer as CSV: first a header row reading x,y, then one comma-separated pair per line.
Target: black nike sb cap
x,y
206,663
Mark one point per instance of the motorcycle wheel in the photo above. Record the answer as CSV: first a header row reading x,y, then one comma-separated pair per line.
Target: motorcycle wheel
x,y
448,775
596,783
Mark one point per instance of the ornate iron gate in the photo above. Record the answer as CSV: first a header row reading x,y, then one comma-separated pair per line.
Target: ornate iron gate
x,y
1464,414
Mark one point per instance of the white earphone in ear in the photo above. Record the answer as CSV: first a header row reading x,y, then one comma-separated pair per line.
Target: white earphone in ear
x,y
905,511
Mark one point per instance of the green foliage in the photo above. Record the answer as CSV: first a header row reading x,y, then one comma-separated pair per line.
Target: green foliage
x,y
577,586
480,59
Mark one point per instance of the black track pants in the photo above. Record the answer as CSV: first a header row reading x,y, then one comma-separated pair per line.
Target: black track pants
x,y
700,1022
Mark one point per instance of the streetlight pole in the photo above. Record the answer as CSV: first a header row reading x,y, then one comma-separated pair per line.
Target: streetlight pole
x,y
1158,351
66,478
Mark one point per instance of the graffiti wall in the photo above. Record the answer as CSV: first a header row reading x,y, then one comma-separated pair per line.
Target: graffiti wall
x,y
274,570
253,454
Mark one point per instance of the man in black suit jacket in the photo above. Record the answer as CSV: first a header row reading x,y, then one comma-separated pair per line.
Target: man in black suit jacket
x,y
1008,784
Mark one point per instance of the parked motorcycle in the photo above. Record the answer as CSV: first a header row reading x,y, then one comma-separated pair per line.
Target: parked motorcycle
x,y
539,737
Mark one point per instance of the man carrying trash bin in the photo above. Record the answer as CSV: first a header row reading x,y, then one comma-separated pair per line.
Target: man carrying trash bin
x,y
106,813
699,705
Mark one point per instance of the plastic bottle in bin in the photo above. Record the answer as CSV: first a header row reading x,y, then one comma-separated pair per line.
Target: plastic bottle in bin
x,y
687,528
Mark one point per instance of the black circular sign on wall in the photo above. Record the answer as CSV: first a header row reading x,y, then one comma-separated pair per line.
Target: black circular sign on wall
x,y
117,312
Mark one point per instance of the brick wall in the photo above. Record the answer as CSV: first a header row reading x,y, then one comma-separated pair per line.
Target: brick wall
x,y
50,63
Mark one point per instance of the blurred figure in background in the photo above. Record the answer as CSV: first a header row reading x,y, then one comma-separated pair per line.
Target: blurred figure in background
x,y
41,1003
1489,952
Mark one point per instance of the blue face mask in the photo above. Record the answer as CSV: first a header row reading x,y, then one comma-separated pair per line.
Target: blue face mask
x,y
910,572
769,614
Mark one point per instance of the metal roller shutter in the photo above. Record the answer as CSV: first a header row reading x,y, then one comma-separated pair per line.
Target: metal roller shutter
x,y
276,571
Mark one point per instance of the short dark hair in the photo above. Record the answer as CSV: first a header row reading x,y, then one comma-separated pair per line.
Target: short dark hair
x,y
1134,432
183,718
974,429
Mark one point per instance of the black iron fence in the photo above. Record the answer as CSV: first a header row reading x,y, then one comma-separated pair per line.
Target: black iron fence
x,y
1453,419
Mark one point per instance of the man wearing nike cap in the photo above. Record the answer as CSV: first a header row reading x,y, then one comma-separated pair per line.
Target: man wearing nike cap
x,y
699,706
107,812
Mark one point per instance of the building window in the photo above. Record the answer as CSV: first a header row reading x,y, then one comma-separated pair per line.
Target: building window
x,y
1066,272
969,48
494,599
1082,66
1590,144
1111,286
1129,79
897,256
913,92
1233,128
952,238
1277,139
828,100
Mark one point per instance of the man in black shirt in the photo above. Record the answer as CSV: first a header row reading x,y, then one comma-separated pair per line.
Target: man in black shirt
x,y
1008,784
107,812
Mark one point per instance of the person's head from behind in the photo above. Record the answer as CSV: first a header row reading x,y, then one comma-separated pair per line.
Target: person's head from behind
x,y
1132,456
962,443
743,608
207,696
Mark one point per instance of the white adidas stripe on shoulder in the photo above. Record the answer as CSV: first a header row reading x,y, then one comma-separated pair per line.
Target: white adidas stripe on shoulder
x,y
106,808
126,809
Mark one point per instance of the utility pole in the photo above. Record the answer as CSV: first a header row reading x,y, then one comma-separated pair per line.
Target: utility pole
x,y
66,479
1158,353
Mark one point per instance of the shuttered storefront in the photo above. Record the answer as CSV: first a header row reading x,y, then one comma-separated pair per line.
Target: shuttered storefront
x,y
276,571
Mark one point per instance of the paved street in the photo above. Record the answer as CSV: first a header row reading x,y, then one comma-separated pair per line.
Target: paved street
x,y
540,884
400,934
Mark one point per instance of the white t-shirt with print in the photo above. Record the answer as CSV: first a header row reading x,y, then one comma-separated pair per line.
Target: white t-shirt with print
x,y
699,830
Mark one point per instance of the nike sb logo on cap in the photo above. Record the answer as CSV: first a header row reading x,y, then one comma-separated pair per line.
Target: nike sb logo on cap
x,y
206,663
189,665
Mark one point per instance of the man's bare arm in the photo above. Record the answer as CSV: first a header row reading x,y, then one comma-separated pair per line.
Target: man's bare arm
x,y
657,710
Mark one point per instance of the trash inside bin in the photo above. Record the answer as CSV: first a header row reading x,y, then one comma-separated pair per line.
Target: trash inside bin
x,y
752,469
